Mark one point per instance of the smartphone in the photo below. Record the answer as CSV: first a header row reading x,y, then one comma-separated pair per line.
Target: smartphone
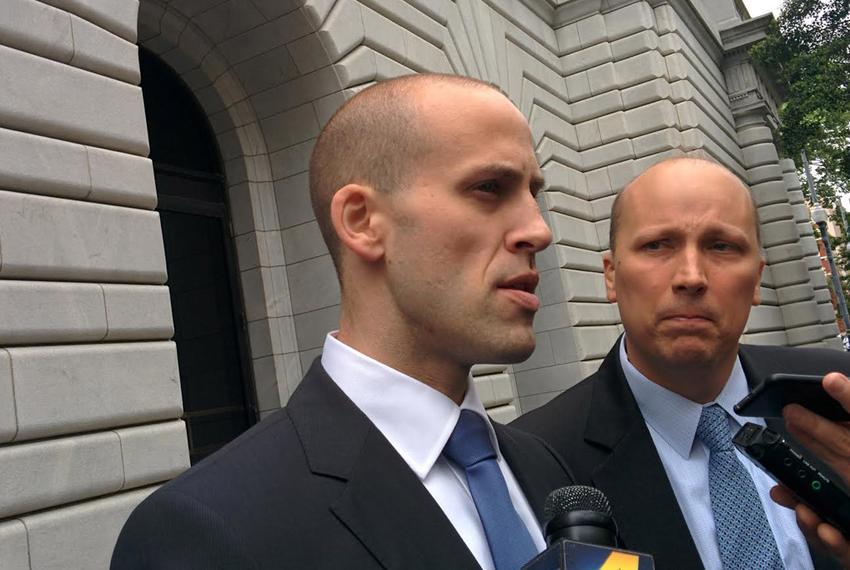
x,y
779,390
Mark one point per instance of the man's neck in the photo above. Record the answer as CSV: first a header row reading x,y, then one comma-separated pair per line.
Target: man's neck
x,y
448,378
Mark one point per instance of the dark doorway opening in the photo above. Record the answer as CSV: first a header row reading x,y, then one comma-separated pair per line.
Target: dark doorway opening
x,y
209,327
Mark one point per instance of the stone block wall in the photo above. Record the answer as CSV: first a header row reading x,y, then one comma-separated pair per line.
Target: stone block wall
x,y
89,387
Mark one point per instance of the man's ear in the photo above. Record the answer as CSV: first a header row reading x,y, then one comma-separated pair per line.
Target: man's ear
x,y
608,267
757,292
355,217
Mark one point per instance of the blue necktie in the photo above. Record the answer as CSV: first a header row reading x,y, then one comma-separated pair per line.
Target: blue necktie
x,y
469,447
744,536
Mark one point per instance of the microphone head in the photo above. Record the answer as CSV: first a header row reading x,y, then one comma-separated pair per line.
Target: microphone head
x,y
576,498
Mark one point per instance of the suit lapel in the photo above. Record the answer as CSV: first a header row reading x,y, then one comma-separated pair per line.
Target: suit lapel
x,y
614,422
383,503
392,513
533,482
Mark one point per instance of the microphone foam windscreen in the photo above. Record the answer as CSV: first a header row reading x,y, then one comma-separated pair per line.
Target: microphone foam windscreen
x,y
576,498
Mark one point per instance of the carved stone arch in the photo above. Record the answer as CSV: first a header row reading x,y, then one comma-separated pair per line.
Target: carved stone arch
x,y
245,64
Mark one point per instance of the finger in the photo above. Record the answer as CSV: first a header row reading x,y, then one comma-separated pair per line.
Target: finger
x,y
820,533
783,496
809,523
829,440
833,540
837,385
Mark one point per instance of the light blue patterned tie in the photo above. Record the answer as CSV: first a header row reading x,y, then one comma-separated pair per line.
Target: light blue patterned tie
x,y
743,533
469,447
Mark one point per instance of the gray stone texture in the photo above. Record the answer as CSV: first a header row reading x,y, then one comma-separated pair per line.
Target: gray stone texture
x,y
116,17
81,263
51,238
48,473
44,312
81,535
76,388
8,414
64,102
153,453
14,550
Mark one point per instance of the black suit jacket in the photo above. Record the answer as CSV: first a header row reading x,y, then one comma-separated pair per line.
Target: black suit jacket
x,y
314,485
597,427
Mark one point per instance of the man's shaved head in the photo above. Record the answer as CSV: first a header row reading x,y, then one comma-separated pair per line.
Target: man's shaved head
x,y
374,139
617,206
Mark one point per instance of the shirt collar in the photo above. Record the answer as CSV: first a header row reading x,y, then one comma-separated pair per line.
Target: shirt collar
x,y
416,419
675,417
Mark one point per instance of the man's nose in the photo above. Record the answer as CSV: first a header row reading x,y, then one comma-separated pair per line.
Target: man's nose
x,y
690,272
531,233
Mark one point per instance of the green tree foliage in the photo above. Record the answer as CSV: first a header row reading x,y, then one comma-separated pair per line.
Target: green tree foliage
x,y
807,50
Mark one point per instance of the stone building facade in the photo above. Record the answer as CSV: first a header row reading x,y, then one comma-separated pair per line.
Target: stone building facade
x,y
90,396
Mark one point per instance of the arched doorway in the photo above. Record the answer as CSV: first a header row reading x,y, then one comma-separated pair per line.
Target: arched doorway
x,y
216,382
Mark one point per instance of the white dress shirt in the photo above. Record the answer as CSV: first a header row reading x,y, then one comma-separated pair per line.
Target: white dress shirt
x,y
417,421
672,421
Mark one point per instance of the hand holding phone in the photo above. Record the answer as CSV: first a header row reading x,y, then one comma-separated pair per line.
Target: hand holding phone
x,y
830,442
789,466
778,390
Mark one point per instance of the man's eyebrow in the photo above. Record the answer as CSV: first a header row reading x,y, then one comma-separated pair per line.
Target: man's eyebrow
x,y
721,230
510,172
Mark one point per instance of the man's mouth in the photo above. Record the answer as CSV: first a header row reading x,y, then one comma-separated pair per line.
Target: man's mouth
x,y
526,282
688,318
521,289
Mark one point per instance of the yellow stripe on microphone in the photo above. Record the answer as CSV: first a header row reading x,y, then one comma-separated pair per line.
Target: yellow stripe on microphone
x,y
621,561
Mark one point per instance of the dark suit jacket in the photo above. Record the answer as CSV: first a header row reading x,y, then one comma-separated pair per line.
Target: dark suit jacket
x,y
597,427
314,485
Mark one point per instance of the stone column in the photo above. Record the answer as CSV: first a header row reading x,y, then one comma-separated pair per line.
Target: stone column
x,y
788,283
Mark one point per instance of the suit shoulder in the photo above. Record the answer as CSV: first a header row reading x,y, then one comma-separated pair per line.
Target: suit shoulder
x,y
795,350
256,495
799,360
522,438
236,481
171,530
198,519
565,411
244,454
530,456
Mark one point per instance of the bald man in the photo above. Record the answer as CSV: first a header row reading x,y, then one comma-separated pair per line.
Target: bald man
x,y
652,427
424,188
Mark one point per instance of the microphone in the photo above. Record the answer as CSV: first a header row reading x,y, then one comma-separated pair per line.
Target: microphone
x,y
581,534
581,514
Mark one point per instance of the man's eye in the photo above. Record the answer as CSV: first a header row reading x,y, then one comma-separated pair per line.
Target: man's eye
x,y
490,187
723,246
653,245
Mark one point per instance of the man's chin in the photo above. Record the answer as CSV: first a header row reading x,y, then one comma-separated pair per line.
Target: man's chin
x,y
511,350
690,353
518,354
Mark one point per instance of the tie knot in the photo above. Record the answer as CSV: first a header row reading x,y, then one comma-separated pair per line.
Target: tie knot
x,y
470,441
713,429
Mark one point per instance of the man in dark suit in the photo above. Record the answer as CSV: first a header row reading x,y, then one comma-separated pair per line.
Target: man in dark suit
x,y
424,189
652,427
